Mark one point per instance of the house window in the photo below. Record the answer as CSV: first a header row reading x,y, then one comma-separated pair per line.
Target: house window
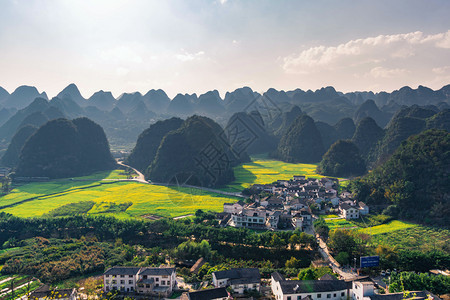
x,y
157,278
122,276
130,281
342,294
131,276
163,282
328,295
122,282
147,286
334,295
319,295
145,276
106,281
289,298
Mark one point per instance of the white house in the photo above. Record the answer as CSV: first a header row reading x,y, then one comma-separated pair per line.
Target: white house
x,y
120,278
239,279
362,289
312,289
348,212
363,208
251,218
158,281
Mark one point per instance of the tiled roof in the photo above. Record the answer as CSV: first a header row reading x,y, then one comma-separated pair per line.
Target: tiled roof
x,y
122,271
238,273
312,286
208,294
156,271
277,276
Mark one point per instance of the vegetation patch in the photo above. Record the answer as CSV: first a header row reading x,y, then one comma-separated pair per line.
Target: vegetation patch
x,y
419,237
71,209
340,224
145,198
263,170
389,227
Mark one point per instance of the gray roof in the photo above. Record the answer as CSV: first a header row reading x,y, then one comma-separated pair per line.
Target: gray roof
x,y
156,271
277,276
345,206
327,277
208,294
312,286
122,271
238,273
400,296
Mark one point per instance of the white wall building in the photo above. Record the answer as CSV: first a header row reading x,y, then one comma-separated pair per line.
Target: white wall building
x,y
349,212
239,279
120,278
313,289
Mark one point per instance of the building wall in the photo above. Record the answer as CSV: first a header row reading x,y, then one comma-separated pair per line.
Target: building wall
x,y
240,288
333,295
126,283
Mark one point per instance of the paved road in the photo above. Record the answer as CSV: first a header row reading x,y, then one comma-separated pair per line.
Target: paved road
x,y
140,178
325,253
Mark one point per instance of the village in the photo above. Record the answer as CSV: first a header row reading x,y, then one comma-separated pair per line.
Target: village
x,y
244,283
290,204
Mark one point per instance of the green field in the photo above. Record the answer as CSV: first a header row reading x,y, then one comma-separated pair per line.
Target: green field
x,y
340,224
262,170
389,227
108,196
417,237
398,234
100,193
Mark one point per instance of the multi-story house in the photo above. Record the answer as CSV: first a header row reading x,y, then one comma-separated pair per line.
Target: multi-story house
x,y
309,289
120,278
348,211
239,279
157,281
250,218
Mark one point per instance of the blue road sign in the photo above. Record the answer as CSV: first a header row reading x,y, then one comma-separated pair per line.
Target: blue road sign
x,y
369,261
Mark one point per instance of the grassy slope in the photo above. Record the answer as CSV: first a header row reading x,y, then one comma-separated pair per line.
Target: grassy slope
x,y
264,170
145,199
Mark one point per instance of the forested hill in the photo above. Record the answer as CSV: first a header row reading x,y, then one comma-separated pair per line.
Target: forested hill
x,y
124,117
197,153
64,148
414,181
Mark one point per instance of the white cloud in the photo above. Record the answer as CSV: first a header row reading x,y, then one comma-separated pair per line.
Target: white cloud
x,y
121,54
441,70
395,49
380,72
223,1
122,71
186,56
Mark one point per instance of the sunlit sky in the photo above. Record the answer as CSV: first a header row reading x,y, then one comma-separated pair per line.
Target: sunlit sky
x,y
196,46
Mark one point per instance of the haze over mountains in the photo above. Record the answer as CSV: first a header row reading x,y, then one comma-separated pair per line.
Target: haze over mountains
x,y
282,123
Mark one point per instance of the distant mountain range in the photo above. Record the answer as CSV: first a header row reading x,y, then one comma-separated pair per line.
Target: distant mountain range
x,y
124,118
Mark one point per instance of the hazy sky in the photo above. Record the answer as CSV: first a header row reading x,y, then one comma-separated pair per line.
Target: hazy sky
x,y
196,46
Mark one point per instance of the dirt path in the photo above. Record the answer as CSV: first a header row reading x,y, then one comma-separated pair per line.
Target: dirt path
x,y
16,288
183,216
